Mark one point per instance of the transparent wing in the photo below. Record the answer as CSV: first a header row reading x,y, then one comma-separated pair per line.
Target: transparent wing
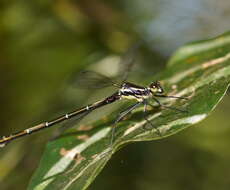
x,y
127,61
93,80
73,122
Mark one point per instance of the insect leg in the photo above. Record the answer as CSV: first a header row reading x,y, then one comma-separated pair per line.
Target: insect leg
x,y
145,102
165,96
168,107
121,116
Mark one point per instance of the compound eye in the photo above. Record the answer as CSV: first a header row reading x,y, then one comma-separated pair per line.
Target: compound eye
x,y
156,87
153,87
160,90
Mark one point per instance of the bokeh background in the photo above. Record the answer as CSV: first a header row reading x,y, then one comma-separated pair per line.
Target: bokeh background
x,y
44,43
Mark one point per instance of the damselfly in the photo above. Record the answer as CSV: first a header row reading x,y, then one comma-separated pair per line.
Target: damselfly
x,y
125,90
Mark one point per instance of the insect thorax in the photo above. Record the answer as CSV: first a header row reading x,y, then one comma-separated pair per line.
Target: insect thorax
x,y
131,91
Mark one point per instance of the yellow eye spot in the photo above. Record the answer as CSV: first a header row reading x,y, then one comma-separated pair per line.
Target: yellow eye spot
x,y
154,89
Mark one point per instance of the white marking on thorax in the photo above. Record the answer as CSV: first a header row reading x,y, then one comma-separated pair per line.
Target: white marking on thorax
x,y
27,131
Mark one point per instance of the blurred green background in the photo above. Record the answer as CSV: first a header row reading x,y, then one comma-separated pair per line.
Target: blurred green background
x,y
44,43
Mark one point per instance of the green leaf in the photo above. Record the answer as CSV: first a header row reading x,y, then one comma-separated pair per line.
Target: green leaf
x,y
199,71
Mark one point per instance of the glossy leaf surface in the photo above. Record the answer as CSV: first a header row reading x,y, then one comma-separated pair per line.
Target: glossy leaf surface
x,y
199,71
